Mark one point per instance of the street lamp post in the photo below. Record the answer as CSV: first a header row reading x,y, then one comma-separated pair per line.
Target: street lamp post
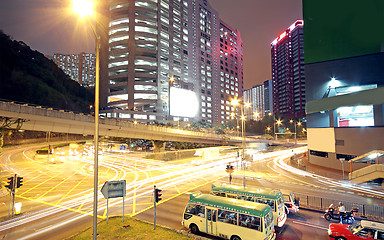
x,y
278,122
236,102
342,165
171,80
84,9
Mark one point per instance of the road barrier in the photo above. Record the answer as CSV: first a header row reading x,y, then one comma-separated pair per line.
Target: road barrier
x,y
370,211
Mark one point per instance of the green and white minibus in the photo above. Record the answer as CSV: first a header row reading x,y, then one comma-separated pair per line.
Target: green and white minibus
x,y
228,218
273,198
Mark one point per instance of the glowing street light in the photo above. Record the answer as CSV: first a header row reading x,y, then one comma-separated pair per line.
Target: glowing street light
x,y
278,122
298,124
267,130
84,8
236,102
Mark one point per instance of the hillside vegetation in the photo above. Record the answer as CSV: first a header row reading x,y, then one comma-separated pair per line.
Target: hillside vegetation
x,y
28,76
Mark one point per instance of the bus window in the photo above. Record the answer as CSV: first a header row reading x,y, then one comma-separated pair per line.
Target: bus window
x,y
195,209
231,196
227,217
251,199
268,219
250,222
270,202
242,197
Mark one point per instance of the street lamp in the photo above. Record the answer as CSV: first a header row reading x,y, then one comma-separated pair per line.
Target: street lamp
x,y
298,124
236,102
267,129
84,8
171,80
278,122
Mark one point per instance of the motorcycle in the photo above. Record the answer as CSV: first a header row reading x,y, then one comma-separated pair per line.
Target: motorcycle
x,y
347,218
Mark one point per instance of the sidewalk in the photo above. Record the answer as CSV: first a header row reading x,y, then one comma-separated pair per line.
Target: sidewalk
x,y
319,170
326,172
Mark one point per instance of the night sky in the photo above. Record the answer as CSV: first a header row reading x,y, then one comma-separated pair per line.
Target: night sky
x,y
50,27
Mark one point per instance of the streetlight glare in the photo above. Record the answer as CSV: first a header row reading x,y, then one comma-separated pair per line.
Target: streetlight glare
x,y
82,7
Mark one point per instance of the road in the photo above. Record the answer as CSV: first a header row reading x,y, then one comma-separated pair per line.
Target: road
x,y
57,194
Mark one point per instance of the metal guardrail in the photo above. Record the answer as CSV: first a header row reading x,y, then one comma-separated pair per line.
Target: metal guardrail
x,y
366,211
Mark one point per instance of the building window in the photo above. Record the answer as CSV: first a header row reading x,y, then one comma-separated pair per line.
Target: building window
x,y
356,116
318,153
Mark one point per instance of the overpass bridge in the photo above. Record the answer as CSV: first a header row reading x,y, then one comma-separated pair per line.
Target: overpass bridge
x,y
49,120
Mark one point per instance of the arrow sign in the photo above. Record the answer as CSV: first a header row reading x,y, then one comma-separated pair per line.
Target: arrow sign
x,y
114,189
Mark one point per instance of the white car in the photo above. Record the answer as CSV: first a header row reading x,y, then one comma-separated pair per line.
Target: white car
x,y
291,202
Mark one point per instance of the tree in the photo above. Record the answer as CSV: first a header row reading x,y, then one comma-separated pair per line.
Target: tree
x,y
7,123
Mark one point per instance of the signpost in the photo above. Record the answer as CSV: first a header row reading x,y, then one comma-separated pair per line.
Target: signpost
x,y
156,198
114,189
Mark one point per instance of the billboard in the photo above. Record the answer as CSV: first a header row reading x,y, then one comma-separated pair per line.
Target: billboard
x,y
183,103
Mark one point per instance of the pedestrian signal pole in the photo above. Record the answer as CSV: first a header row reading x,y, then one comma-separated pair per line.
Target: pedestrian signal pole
x,y
156,198
11,186
230,170
13,183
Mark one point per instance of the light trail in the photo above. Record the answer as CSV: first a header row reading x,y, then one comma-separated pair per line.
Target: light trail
x,y
184,175
279,161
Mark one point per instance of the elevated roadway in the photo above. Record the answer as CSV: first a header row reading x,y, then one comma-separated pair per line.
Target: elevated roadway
x,y
50,120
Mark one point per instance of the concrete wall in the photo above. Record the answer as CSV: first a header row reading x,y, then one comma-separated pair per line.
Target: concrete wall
x,y
359,140
347,140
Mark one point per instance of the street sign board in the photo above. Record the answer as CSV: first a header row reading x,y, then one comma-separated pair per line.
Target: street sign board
x,y
114,189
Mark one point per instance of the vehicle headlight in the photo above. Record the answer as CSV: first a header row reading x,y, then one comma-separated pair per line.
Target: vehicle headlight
x,y
329,231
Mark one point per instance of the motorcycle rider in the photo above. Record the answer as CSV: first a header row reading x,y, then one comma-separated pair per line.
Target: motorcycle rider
x,y
341,211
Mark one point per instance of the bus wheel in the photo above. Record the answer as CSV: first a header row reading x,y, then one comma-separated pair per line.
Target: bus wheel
x,y
194,228
235,238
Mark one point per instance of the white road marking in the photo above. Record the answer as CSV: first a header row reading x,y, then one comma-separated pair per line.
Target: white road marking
x,y
310,225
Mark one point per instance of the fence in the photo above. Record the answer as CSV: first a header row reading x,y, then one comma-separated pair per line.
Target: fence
x,y
366,211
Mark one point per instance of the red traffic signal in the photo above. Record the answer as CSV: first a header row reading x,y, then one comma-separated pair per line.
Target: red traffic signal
x,y
10,183
19,182
229,169
158,195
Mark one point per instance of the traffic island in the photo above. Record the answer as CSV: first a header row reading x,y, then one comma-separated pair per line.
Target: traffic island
x,y
131,228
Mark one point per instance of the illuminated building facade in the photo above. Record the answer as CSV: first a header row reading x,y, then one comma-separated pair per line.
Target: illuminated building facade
x,y
160,61
254,96
288,77
80,67
345,80
229,83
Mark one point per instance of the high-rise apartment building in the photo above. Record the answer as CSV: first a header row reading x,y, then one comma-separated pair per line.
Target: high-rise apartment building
x,y
168,60
288,78
255,97
229,85
80,67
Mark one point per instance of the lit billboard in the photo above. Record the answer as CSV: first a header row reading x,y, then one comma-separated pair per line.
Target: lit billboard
x,y
183,103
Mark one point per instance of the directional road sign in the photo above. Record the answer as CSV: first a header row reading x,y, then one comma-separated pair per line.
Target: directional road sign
x,y
114,189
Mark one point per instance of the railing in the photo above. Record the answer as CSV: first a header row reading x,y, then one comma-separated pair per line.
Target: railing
x,y
366,211
366,171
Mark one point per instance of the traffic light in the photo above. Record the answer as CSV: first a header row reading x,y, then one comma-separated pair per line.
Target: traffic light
x,y
19,182
229,169
158,195
11,183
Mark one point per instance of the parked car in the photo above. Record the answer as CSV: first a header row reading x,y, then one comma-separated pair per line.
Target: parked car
x,y
291,202
363,230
